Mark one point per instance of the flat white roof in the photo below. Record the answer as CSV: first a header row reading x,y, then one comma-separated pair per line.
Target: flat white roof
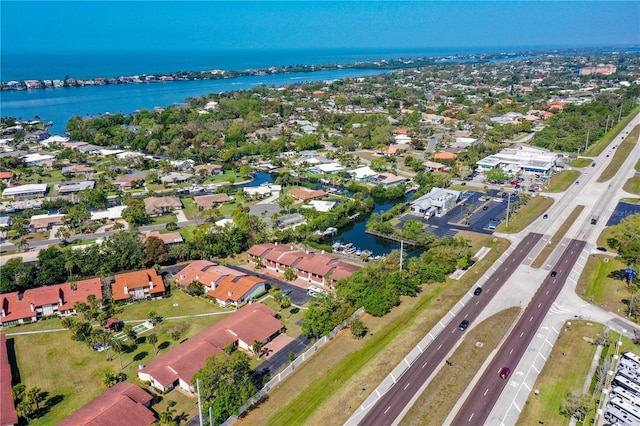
x,y
110,213
25,189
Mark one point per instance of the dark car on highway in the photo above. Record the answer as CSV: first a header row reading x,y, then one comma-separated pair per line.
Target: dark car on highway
x,y
463,325
477,291
504,372
554,273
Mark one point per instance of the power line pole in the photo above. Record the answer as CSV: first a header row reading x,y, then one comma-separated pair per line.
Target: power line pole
x,y
587,141
401,252
199,402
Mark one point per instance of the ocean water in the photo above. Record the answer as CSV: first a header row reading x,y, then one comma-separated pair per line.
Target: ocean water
x,y
60,105
115,64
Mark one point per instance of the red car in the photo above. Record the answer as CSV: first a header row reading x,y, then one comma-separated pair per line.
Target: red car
x,y
504,372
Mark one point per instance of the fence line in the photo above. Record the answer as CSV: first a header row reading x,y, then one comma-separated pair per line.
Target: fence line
x,y
291,367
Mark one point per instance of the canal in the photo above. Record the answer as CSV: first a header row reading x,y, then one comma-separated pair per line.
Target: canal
x,y
355,232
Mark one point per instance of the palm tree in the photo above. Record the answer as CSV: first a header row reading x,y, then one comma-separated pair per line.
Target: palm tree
x,y
153,339
118,347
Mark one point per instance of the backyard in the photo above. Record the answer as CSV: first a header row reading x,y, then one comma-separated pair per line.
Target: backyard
x,y
72,374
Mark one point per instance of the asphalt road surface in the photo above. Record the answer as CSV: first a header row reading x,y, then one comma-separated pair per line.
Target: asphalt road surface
x,y
478,406
391,404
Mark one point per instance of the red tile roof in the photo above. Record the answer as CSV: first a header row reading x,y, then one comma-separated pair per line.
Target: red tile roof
x,y
260,249
16,308
123,404
234,288
8,414
306,193
5,175
318,264
206,272
137,279
250,323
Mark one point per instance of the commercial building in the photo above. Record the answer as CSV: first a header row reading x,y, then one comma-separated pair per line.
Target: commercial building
x,y
521,159
436,203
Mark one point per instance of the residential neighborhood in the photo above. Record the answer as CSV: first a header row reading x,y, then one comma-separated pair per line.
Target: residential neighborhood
x,y
241,231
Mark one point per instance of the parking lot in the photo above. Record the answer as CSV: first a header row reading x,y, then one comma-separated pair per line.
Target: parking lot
x,y
482,210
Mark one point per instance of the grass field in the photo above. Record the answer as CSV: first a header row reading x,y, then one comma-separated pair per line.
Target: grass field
x,y
526,214
167,218
596,148
72,373
632,185
599,284
444,390
580,162
620,155
563,180
557,237
325,389
561,374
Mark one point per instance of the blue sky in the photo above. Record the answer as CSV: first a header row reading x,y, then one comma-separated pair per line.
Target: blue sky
x,y
54,26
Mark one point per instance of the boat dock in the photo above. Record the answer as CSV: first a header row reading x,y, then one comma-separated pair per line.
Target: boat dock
x,y
391,237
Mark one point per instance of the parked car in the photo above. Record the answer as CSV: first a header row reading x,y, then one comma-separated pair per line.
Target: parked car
x,y
286,292
601,248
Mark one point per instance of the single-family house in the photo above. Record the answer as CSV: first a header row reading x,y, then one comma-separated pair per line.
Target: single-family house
x,y
362,174
304,194
387,179
36,159
209,169
168,238
76,187
175,178
253,322
129,182
5,177
25,192
78,169
34,303
208,201
137,285
157,206
44,222
432,166
124,404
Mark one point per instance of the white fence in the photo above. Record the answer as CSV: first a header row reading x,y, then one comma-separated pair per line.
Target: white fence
x,y
291,367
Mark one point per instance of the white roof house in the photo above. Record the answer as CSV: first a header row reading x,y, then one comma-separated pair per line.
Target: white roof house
x,y
362,173
262,189
330,168
37,158
110,213
321,206
33,190
76,186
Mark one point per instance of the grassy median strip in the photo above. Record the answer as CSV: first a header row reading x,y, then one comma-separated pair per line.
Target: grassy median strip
x,y
596,148
580,162
328,388
526,214
621,153
555,240
561,181
446,388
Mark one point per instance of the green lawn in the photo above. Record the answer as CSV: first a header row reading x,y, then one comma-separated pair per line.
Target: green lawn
x,y
72,373
526,214
561,374
620,155
562,180
596,148
189,208
44,177
580,162
167,218
318,395
179,303
632,185
557,237
601,284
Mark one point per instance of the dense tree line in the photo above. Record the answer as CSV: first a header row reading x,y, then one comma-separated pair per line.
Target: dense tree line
x,y
568,131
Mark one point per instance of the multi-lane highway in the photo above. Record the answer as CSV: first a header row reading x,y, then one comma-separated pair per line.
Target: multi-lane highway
x,y
392,403
484,395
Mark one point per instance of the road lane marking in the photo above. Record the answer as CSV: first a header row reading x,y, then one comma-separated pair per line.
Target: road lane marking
x,y
486,391
471,417
405,388
522,334
420,349
423,365
438,348
388,408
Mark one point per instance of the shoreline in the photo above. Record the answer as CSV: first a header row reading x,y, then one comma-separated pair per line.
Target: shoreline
x,y
220,74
